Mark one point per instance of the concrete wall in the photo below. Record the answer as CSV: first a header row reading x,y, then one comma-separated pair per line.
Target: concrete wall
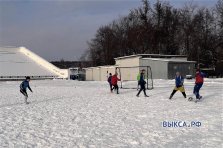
x,y
159,68
185,68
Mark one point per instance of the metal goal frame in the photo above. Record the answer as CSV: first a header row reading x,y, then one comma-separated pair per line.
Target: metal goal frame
x,y
148,69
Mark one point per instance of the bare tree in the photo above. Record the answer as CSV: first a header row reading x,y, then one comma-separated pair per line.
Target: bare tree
x,y
161,28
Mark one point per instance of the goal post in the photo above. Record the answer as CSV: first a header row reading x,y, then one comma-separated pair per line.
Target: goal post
x,y
128,76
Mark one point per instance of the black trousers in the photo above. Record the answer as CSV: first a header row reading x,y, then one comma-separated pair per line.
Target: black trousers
x,y
23,91
142,88
115,87
110,86
174,91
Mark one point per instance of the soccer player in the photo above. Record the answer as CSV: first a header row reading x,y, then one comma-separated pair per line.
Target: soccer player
x,y
179,81
109,81
23,86
142,84
199,80
114,81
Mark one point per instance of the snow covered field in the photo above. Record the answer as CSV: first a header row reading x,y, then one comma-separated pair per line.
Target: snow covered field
x,y
85,114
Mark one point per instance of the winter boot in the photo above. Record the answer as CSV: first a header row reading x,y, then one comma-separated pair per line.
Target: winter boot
x,y
170,97
26,100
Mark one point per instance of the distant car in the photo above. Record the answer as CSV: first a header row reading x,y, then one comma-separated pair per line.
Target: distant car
x,y
76,74
189,77
74,77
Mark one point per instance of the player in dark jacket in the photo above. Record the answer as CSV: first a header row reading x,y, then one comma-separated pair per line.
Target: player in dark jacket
x,y
179,81
23,86
142,84
109,81
199,80
138,78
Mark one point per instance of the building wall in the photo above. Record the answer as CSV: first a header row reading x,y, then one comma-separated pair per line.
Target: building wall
x,y
105,72
185,68
179,58
127,62
89,74
159,68
96,74
99,73
128,74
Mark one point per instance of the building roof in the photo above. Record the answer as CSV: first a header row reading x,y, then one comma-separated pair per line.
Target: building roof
x,y
162,56
124,57
169,60
88,68
15,63
107,66
151,56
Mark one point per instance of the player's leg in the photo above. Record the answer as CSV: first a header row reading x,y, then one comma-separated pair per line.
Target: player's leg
x,y
173,92
198,89
144,90
26,97
138,86
25,94
182,90
113,87
117,88
110,87
139,91
184,94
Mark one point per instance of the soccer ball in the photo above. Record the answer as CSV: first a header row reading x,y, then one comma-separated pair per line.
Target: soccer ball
x,y
190,99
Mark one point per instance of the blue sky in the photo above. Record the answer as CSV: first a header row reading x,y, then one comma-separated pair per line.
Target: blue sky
x,y
57,29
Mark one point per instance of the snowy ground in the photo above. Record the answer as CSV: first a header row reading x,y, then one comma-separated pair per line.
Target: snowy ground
x,y
85,114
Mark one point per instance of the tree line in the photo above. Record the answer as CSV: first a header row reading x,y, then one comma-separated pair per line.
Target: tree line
x,y
160,28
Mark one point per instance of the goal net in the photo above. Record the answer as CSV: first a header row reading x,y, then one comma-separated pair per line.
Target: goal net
x,y
129,76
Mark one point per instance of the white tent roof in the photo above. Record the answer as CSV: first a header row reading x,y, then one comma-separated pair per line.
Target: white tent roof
x,y
15,63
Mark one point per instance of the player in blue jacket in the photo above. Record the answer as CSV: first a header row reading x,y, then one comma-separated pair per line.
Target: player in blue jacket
x,y
23,86
179,81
